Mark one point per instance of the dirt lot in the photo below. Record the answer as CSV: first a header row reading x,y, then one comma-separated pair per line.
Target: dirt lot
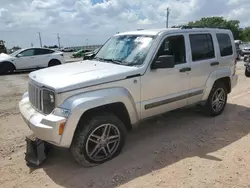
x,y
179,149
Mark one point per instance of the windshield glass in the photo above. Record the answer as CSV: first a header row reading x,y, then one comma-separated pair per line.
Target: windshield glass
x,y
127,50
16,52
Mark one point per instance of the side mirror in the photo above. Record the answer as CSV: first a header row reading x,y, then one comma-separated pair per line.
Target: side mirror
x,y
19,55
164,61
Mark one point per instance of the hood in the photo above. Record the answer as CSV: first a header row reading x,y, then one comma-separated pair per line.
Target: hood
x,y
5,57
82,74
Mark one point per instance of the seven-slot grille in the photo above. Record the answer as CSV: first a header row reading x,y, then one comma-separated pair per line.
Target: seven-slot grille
x,y
35,95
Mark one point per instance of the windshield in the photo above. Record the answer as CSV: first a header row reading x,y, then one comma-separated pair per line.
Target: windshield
x,y
127,50
16,52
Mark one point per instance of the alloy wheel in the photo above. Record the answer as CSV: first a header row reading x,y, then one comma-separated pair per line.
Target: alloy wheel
x,y
103,142
218,99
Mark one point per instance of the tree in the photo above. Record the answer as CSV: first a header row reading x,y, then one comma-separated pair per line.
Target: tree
x,y
219,22
245,34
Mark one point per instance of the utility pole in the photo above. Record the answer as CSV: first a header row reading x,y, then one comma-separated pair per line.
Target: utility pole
x,y
58,38
167,16
40,39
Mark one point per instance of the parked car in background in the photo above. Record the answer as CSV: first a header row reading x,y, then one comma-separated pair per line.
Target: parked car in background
x,y
2,47
90,55
245,49
238,51
247,65
67,49
131,78
79,53
30,58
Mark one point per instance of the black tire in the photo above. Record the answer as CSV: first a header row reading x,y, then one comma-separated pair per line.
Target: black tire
x,y
54,62
209,104
7,68
81,138
247,73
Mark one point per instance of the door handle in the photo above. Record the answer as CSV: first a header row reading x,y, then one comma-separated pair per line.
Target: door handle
x,y
186,69
214,63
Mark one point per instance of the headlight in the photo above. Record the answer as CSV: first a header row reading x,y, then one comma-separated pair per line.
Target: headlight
x,y
48,101
61,112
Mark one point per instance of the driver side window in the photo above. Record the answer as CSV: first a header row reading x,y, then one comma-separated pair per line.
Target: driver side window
x,y
175,46
30,52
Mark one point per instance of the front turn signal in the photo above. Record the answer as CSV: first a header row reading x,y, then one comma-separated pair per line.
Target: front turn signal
x,y
61,128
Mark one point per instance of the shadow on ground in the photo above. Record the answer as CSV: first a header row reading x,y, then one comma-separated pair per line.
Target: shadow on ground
x,y
159,142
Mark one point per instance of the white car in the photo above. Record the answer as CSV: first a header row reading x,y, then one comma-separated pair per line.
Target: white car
x,y
30,58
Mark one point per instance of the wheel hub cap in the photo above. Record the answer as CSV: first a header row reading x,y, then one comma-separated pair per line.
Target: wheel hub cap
x,y
103,142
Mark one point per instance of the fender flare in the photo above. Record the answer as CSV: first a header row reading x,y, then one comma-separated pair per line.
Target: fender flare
x,y
80,103
215,75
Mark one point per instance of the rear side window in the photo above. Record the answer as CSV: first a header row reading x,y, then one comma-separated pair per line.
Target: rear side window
x,y
225,44
43,51
201,46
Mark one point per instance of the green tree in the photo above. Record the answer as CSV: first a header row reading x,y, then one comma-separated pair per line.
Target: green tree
x,y
219,22
245,34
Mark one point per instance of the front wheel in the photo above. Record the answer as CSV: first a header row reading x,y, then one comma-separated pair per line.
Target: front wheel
x,y
217,99
98,140
7,68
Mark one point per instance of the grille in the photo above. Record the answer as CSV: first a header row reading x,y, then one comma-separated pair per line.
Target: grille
x,y
35,94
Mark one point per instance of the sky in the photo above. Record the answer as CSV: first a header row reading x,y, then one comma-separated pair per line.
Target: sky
x,y
82,22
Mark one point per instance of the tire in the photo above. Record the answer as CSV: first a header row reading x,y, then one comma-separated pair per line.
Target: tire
x,y
214,110
7,68
54,63
82,147
247,73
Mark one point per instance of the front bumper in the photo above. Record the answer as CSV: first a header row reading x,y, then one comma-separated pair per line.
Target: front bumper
x,y
234,81
44,127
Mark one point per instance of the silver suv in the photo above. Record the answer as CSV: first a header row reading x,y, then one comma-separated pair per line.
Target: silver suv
x,y
89,106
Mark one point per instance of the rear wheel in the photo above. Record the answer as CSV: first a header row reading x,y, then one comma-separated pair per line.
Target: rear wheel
x,y
7,68
247,73
217,99
100,139
54,63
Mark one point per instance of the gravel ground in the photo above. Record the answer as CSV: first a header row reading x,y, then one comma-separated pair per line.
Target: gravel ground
x,y
179,149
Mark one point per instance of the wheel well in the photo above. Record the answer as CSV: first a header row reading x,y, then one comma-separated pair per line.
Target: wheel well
x,y
226,81
54,60
118,109
8,62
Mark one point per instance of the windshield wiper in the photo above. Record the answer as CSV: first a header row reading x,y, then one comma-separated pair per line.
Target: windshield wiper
x,y
119,62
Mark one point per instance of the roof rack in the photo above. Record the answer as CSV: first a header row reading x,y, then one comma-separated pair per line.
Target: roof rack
x,y
191,27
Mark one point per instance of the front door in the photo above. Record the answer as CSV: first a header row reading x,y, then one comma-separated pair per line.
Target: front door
x,y
25,59
167,89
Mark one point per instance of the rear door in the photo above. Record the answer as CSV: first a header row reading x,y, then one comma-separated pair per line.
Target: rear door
x,y
203,61
43,56
227,53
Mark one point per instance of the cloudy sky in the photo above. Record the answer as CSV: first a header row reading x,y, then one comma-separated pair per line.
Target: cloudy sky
x,y
81,22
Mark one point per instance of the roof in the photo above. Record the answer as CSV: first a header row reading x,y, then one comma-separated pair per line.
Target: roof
x,y
154,32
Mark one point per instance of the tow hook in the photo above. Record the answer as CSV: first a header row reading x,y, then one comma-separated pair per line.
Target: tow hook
x,y
35,151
